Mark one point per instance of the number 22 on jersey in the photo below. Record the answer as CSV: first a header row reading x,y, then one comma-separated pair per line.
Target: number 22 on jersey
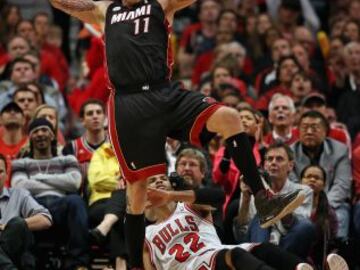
x,y
181,255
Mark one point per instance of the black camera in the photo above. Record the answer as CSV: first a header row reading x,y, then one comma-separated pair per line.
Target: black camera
x,y
177,182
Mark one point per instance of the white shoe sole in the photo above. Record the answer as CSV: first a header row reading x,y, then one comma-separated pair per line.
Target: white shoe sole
x,y
304,266
287,210
336,262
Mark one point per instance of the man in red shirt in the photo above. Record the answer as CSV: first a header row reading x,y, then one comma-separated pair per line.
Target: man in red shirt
x,y
12,138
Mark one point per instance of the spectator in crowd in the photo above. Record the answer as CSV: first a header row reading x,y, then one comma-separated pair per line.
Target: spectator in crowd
x,y
92,116
351,31
49,59
281,117
223,74
317,102
301,85
267,75
12,137
20,215
95,72
52,96
278,163
322,215
356,199
10,16
27,101
54,181
314,147
346,99
198,38
204,62
287,67
51,114
288,13
107,203
22,71
16,47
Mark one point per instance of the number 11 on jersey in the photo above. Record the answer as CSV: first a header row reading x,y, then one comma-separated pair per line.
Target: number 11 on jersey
x,y
138,25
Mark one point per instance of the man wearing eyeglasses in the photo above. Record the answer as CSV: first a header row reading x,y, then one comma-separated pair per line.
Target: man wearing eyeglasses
x,y
191,165
315,147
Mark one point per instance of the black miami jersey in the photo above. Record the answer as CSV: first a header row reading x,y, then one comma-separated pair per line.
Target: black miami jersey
x,y
137,41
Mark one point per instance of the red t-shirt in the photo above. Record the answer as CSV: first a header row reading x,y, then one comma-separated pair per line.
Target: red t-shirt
x,y
10,152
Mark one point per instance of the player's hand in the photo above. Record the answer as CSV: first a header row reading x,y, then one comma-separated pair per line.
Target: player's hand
x,y
157,197
2,227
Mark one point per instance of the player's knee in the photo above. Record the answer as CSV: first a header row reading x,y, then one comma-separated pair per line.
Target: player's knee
x,y
225,121
231,122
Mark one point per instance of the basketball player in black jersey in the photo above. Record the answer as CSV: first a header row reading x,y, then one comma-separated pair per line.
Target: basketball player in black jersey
x,y
145,107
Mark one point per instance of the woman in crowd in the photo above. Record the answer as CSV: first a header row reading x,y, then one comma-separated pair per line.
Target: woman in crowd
x,y
323,216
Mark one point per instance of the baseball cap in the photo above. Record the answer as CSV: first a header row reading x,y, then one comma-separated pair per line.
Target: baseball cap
x,y
11,105
313,98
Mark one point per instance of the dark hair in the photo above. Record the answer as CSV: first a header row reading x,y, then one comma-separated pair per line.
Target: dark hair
x,y
3,158
322,210
24,88
227,10
23,21
40,13
20,60
277,145
283,59
253,112
88,102
316,115
41,91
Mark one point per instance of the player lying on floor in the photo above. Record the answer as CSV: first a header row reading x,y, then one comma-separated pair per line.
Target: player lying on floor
x,y
183,236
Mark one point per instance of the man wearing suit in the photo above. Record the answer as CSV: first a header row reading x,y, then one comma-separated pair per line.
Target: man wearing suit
x,y
314,147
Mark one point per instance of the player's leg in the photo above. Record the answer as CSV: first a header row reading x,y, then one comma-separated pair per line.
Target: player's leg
x,y
138,137
238,259
270,208
202,118
135,221
278,258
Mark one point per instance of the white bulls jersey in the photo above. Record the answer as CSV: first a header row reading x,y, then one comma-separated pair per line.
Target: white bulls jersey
x,y
184,241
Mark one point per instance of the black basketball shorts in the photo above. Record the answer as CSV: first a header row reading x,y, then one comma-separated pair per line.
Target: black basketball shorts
x,y
140,122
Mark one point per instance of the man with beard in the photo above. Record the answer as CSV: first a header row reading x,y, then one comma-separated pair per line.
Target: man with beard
x,y
54,181
12,137
281,117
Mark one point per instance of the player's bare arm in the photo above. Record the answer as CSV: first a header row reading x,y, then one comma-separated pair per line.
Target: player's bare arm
x,y
146,259
87,11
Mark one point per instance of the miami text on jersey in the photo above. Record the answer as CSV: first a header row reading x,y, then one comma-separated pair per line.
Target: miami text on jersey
x,y
131,15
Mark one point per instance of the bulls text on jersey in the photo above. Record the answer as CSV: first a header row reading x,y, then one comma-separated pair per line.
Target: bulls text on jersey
x,y
166,234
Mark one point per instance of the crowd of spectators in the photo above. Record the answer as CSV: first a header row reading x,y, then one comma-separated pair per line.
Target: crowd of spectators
x,y
290,67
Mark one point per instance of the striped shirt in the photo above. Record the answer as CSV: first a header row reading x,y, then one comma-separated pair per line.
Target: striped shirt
x,y
57,176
